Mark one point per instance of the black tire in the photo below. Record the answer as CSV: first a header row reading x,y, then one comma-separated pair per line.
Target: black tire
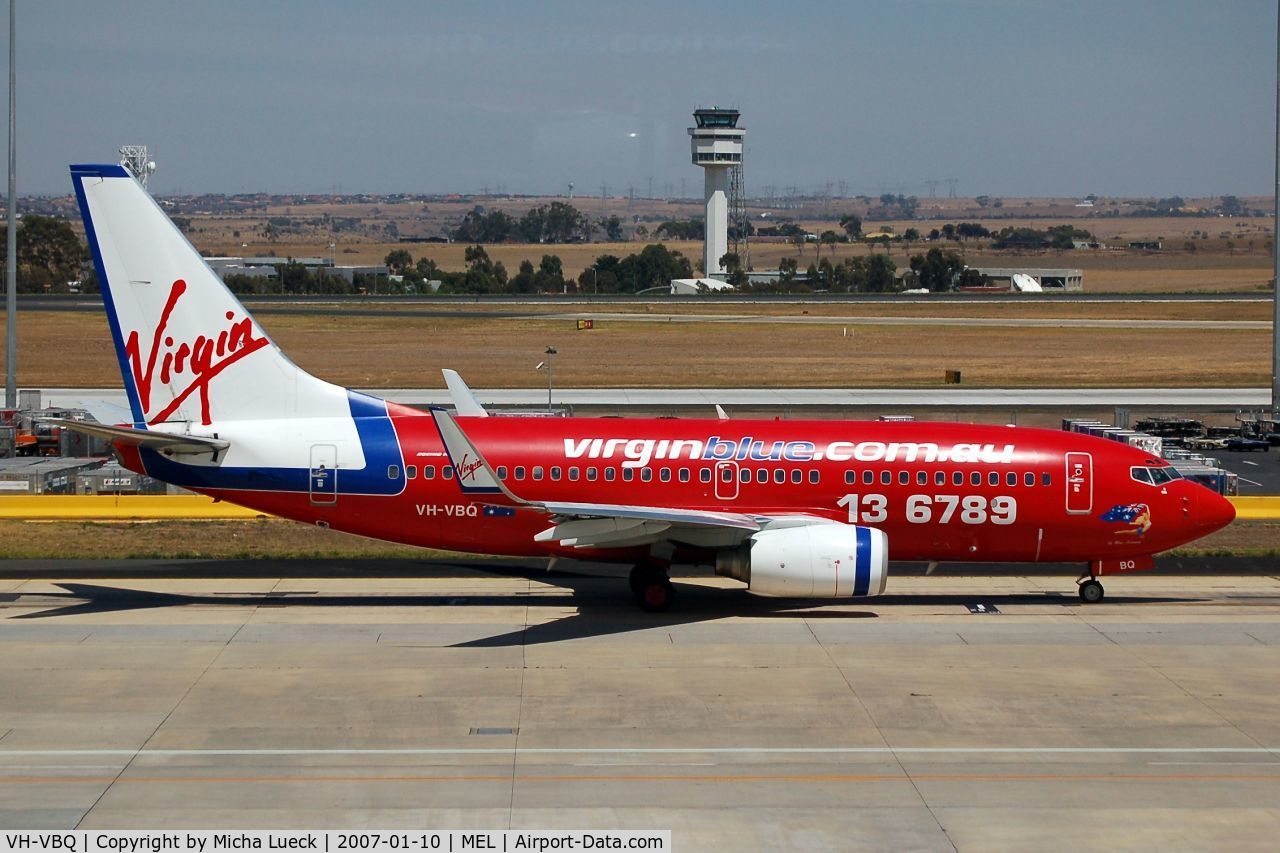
x,y
652,588
657,596
1091,592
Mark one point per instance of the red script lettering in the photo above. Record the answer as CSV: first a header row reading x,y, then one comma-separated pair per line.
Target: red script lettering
x,y
195,362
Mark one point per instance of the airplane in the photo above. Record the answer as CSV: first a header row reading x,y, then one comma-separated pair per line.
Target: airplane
x,y
806,509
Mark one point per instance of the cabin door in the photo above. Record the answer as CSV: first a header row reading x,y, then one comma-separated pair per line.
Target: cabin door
x,y
324,475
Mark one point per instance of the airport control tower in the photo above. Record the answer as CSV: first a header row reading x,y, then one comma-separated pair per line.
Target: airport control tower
x,y
717,147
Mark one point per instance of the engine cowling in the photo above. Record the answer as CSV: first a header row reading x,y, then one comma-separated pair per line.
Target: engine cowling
x,y
811,561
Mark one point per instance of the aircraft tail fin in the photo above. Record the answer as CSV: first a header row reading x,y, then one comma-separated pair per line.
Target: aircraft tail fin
x,y
188,350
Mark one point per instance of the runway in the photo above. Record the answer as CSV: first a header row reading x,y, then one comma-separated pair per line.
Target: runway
x,y
968,713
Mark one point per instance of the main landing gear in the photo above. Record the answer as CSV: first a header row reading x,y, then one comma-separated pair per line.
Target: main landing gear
x,y
652,588
1091,591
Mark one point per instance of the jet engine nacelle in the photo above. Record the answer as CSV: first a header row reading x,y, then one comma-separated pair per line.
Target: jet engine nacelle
x,y
811,561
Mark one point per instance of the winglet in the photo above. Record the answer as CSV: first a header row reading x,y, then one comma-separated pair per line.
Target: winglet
x,y
720,413
473,473
463,400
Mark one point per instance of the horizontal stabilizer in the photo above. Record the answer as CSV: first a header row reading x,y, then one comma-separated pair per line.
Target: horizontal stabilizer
x,y
463,399
151,439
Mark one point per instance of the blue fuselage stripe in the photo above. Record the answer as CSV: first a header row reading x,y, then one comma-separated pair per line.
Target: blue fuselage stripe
x,y
377,439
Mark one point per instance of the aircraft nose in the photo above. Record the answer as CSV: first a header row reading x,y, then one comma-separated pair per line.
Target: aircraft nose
x,y
1214,511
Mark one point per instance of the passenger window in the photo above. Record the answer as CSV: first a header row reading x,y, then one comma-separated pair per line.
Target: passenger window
x,y
684,475
411,471
502,472
704,475
744,476
993,479
537,472
975,478
646,474
591,475
610,474
628,474
797,476
393,472
922,478
850,477
1028,479
573,474
555,472
957,478
447,472
428,472
886,477
779,476
762,475
1011,479
519,472
904,478
814,476
726,475
1046,479
665,475
940,478
868,477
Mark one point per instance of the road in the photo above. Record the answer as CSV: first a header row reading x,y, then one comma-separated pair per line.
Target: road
x,y
970,713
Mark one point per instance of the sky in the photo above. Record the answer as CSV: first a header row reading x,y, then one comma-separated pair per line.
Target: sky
x,y
1007,97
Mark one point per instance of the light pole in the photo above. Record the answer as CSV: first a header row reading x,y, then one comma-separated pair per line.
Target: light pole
x,y
550,353
11,256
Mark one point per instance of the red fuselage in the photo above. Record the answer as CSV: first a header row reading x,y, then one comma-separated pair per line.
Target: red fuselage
x,y
940,491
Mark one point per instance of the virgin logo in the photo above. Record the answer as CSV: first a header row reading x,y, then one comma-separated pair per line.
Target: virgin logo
x,y
194,363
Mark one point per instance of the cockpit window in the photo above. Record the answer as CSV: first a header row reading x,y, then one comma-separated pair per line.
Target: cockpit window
x,y
1154,476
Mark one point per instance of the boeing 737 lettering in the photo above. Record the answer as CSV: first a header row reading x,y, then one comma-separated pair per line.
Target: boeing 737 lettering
x,y
795,508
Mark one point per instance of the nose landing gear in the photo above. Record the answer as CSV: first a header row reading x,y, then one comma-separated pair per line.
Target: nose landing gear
x,y
1091,591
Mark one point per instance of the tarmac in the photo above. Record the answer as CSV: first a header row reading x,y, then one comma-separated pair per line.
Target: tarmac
x,y
960,712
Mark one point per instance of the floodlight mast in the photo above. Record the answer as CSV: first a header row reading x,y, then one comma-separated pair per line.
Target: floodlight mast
x,y
11,252
1275,249
135,161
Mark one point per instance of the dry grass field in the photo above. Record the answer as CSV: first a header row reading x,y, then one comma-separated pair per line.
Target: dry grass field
x,y
58,349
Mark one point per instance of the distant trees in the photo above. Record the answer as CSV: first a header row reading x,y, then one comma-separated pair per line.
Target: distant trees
x,y
1056,237
653,266
852,225
940,271
50,254
557,222
680,229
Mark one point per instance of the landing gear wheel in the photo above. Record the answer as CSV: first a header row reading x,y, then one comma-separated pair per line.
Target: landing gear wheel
x,y
1091,591
652,588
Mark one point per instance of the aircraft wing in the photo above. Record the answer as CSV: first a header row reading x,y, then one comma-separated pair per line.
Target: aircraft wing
x,y
584,525
588,525
151,439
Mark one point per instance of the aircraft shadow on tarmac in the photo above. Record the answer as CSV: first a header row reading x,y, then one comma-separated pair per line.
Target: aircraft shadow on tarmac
x,y
602,603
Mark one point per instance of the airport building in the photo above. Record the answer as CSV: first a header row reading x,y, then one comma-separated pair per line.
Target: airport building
x,y
1018,279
